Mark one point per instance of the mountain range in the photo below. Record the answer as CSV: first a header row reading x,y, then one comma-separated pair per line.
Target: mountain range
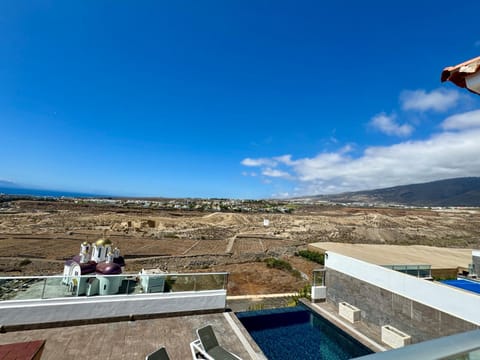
x,y
463,191
450,192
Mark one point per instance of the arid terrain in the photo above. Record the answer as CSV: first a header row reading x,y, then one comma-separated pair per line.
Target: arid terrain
x,y
36,237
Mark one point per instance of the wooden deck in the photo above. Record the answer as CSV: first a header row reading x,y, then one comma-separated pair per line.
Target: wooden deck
x,y
130,340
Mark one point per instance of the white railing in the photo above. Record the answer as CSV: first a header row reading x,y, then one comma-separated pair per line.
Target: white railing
x,y
54,287
53,299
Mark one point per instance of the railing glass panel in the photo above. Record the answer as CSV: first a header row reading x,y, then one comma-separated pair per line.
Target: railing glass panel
x,y
49,287
319,277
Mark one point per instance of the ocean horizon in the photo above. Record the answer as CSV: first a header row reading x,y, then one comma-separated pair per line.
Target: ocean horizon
x,y
45,192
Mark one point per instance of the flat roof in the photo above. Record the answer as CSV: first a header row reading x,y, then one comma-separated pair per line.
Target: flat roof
x,y
136,339
437,257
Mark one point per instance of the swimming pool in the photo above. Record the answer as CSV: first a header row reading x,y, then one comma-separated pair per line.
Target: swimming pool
x,y
298,333
464,284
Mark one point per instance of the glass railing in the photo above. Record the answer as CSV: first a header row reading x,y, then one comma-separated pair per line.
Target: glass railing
x,y
318,277
463,346
421,271
49,287
471,269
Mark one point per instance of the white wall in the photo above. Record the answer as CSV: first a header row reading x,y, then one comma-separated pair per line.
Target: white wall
x,y
445,298
18,312
319,292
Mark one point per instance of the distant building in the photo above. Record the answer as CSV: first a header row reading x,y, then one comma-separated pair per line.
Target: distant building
x,y
95,259
475,266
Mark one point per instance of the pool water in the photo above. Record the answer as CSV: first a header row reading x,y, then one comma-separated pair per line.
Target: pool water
x,y
472,286
298,333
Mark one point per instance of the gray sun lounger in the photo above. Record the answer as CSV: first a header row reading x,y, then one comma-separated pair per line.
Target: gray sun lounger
x,y
207,345
160,354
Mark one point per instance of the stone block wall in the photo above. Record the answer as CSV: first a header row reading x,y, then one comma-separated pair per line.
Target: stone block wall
x,y
445,273
382,307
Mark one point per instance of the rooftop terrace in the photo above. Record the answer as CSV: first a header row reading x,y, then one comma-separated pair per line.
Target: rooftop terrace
x,y
438,258
135,339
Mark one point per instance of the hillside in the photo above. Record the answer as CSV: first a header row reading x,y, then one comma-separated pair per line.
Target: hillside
x,y
450,192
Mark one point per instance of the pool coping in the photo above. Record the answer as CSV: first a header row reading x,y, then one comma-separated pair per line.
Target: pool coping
x,y
476,282
236,325
348,328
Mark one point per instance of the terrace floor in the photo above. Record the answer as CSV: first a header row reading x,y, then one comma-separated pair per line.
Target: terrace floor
x,y
135,339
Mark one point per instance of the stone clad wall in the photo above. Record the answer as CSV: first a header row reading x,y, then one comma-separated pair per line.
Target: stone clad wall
x,y
445,273
382,307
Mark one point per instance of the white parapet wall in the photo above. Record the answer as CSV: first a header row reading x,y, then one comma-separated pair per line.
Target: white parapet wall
x,y
319,293
349,312
394,337
22,312
450,300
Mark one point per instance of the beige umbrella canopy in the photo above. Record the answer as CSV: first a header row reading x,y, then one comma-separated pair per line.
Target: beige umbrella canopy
x,y
465,75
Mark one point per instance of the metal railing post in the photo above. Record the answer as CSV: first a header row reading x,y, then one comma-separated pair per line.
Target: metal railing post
x,y
43,289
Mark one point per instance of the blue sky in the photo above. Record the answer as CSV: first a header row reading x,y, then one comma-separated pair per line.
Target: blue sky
x,y
245,99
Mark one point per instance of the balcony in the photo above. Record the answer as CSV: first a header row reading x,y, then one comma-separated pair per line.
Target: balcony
x,y
52,299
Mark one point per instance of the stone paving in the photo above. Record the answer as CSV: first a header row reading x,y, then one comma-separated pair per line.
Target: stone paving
x,y
135,339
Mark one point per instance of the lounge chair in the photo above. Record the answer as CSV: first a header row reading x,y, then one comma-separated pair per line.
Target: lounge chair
x,y
160,354
207,346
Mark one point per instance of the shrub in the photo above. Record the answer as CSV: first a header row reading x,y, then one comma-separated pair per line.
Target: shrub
x,y
278,264
314,256
25,262
170,235
282,265
256,306
296,273
169,282
304,292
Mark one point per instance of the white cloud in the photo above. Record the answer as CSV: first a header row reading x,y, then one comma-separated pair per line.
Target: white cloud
x,y
387,125
258,162
444,155
463,121
281,195
438,100
246,173
276,173
284,159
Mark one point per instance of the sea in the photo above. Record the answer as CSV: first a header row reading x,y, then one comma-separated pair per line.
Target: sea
x,y
45,193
